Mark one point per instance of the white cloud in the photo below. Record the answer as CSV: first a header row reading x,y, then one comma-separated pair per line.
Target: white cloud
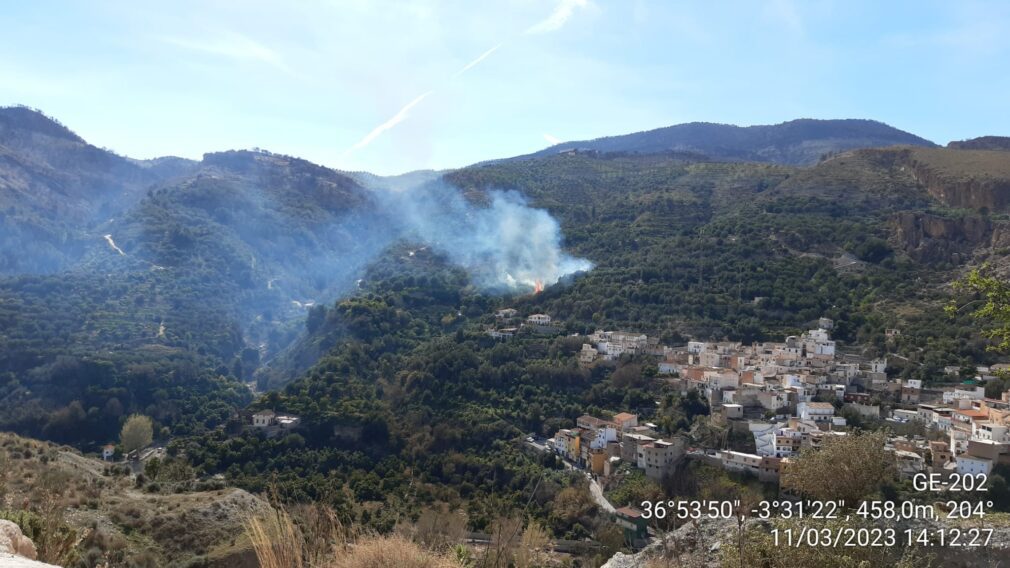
x,y
396,119
552,140
561,14
231,45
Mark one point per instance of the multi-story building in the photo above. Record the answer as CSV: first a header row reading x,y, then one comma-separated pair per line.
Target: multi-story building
x,y
659,457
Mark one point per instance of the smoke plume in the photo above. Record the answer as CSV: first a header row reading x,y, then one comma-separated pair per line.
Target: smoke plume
x,y
505,246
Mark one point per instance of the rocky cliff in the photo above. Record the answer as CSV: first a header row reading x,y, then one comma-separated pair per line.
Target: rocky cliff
x,y
931,238
970,179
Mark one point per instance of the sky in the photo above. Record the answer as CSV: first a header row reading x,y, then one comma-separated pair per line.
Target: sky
x,y
390,87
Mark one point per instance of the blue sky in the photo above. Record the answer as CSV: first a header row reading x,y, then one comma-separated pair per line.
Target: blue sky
x,y
395,86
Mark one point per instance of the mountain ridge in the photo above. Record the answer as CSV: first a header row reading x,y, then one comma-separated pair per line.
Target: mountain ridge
x,y
799,142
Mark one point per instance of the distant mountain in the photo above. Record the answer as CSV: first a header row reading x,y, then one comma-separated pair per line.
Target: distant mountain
x,y
398,182
800,142
982,143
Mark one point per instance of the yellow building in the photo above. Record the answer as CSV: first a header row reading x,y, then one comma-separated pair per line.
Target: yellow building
x,y
597,460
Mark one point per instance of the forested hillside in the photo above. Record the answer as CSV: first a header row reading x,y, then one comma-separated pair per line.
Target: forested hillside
x,y
250,272
166,308
683,248
56,190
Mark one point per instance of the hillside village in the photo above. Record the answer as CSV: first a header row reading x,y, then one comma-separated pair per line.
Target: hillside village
x,y
783,397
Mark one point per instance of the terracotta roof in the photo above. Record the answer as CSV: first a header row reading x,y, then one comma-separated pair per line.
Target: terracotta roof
x,y
593,421
973,413
629,512
624,416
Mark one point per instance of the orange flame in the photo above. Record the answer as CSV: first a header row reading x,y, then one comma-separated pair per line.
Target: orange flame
x,y
538,286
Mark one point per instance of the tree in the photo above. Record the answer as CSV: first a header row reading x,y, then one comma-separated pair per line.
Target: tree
x,y
995,309
137,433
316,317
845,467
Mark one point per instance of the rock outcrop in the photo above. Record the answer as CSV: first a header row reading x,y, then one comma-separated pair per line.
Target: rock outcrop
x,y
12,541
931,238
17,550
969,179
693,544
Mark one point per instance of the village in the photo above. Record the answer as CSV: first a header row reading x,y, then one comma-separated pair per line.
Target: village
x,y
786,396
782,397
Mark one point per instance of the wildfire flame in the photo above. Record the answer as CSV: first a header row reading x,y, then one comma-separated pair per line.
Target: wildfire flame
x,y
538,286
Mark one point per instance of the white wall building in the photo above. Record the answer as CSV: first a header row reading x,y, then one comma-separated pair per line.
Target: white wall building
x,y
972,465
818,412
963,393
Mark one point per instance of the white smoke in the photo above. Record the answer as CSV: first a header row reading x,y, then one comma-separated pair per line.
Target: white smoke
x,y
507,245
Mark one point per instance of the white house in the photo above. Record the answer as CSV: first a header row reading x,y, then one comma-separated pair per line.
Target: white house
x,y
108,451
668,367
263,418
905,415
818,344
696,347
613,344
818,412
539,319
740,461
963,393
506,313
991,432
972,465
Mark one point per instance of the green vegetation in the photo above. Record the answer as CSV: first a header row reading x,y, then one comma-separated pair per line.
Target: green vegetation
x,y
407,406
137,433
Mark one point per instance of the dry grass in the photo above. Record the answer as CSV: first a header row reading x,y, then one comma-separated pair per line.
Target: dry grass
x,y
318,540
276,540
387,552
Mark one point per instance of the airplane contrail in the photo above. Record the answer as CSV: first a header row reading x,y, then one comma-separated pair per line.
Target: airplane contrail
x,y
396,119
475,62
561,14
